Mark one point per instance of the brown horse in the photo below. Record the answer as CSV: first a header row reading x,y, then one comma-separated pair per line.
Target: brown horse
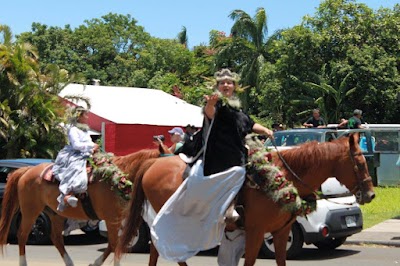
x,y
313,162
26,190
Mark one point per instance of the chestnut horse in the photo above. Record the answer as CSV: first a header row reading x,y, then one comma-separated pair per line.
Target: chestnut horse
x,y
313,162
26,190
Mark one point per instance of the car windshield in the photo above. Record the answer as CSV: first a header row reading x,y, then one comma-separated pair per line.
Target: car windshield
x,y
3,174
290,138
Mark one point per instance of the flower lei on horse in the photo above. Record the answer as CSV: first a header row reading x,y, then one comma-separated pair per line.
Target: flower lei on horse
x,y
270,180
105,170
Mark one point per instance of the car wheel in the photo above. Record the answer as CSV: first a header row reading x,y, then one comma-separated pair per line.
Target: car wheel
x,y
293,246
41,230
140,243
332,243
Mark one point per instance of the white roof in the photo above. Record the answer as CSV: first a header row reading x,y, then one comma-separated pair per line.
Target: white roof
x,y
126,105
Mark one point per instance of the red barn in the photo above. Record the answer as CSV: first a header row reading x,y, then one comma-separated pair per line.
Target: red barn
x,y
128,118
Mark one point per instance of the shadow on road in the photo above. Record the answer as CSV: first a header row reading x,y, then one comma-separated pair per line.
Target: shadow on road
x,y
309,254
84,239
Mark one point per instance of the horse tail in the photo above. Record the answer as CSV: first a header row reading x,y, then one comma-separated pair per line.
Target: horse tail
x,y
133,214
10,204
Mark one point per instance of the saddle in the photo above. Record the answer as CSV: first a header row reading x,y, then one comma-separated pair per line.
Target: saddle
x,y
48,175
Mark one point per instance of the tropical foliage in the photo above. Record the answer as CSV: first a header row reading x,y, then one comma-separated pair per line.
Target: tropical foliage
x,y
29,113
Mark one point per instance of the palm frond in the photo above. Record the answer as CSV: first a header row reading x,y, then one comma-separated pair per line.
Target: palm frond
x,y
7,35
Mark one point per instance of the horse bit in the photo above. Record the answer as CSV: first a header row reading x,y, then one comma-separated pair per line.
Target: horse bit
x,y
360,181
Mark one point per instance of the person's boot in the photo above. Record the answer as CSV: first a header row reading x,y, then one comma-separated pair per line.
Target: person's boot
x,y
71,200
231,214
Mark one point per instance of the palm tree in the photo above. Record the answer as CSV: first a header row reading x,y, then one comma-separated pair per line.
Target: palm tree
x,y
248,46
29,113
332,93
182,37
255,32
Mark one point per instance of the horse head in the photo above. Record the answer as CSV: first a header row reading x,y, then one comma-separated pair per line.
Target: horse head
x,y
361,182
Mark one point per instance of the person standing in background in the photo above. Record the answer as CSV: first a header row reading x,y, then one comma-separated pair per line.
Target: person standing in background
x,y
177,138
355,120
316,121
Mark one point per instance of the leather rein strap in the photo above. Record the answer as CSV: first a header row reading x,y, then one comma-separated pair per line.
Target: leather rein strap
x,y
357,191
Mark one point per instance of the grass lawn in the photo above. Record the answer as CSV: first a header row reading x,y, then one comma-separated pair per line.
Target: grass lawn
x,y
386,205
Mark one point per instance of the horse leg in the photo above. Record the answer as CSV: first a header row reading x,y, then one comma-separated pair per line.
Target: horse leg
x,y
154,257
112,228
280,242
27,221
57,226
254,239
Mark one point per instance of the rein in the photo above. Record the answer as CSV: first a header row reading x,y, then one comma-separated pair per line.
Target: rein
x,y
357,191
292,172
360,182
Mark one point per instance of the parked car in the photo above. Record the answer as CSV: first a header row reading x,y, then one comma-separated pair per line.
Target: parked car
x,y
41,230
294,137
335,219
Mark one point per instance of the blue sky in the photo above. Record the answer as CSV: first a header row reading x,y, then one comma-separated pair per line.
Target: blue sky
x,y
162,18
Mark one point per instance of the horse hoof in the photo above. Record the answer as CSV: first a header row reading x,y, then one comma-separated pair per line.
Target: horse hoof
x,y
72,201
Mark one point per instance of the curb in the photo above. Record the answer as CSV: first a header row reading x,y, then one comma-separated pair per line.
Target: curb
x,y
373,242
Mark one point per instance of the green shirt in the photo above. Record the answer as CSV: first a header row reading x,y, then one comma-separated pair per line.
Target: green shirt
x,y
178,145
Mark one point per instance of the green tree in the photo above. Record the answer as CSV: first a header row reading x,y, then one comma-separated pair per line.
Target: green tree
x,y
269,98
29,114
106,48
367,43
245,51
342,37
254,31
165,56
293,52
330,94
182,37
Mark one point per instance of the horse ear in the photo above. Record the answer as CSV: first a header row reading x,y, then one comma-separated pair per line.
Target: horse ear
x,y
354,138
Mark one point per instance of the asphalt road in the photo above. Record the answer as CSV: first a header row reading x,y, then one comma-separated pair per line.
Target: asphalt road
x,y
85,250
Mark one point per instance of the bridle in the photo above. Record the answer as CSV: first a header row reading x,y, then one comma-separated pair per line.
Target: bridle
x,y
358,190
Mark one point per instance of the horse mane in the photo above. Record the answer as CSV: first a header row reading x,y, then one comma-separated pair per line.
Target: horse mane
x,y
131,163
313,155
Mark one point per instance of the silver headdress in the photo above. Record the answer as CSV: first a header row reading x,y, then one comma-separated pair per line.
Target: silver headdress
x,y
226,74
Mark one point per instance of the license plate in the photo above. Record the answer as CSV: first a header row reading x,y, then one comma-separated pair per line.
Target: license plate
x,y
351,221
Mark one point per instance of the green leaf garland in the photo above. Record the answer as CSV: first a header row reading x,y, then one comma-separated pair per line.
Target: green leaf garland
x,y
270,180
105,170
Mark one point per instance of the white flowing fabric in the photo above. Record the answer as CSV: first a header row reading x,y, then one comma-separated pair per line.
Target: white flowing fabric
x,y
192,220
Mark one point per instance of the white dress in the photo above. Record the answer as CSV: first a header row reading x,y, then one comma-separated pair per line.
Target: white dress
x,y
70,165
191,221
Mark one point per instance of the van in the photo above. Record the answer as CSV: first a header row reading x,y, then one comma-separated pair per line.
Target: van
x,y
383,141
